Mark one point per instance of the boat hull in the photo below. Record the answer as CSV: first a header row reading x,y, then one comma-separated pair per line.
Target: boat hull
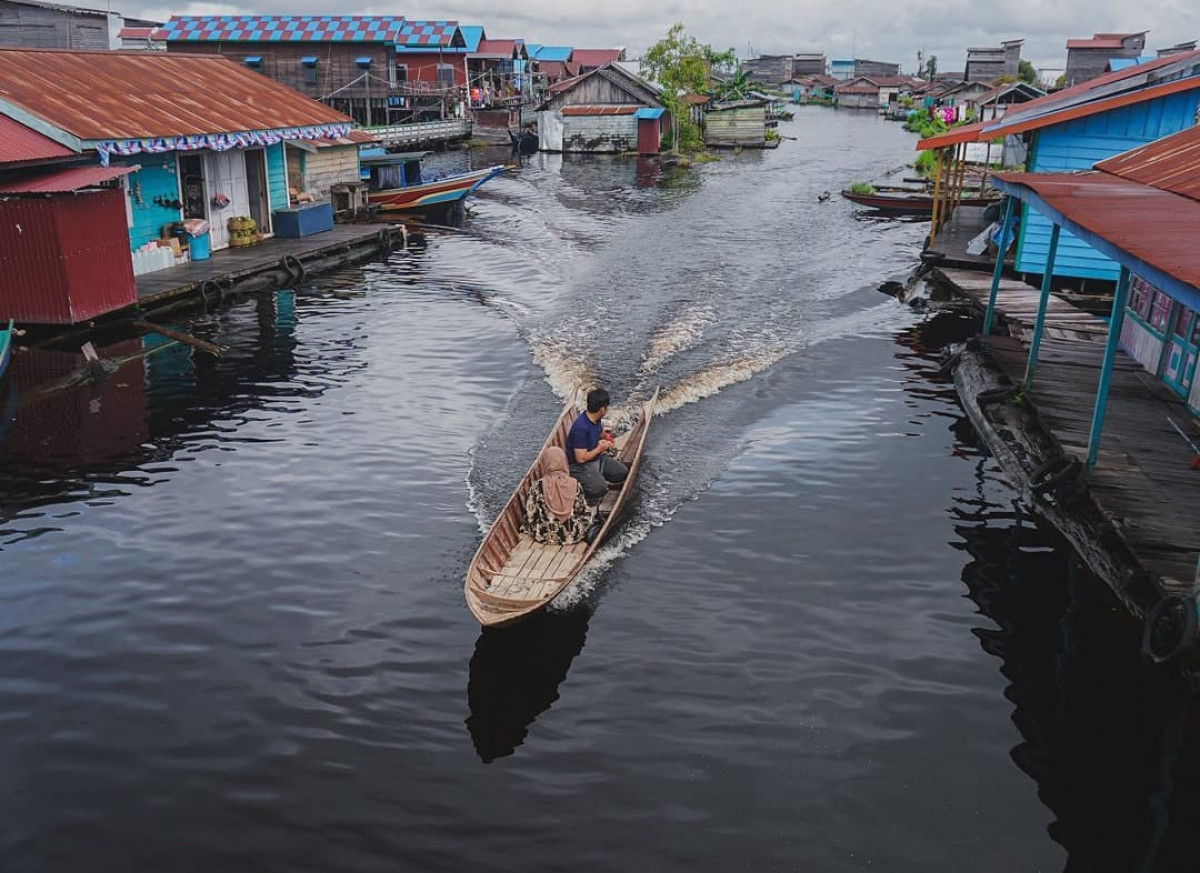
x,y
432,195
908,204
511,577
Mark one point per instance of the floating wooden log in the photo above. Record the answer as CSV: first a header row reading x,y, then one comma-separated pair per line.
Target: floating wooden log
x,y
180,337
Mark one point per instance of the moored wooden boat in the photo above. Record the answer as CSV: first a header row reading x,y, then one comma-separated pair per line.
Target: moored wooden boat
x,y
5,347
395,183
908,204
512,575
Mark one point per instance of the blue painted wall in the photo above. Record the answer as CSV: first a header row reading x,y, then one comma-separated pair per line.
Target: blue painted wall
x,y
1078,145
277,189
156,178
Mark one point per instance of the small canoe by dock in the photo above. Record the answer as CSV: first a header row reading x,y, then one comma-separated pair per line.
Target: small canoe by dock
x,y
908,204
512,576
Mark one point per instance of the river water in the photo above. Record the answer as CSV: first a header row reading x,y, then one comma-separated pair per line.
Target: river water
x,y
231,615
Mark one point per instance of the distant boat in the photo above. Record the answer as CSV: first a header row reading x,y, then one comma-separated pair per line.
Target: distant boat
x,y
395,182
908,204
525,143
5,347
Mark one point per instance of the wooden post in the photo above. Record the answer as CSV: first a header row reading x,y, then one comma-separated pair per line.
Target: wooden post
x,y
1110,353
937,184
1047,277
999,268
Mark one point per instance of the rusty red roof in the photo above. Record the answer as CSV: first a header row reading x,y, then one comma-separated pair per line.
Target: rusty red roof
x,y
19,144
150,94
499,48
63,181
1169,164
600,110
594,57
1155,227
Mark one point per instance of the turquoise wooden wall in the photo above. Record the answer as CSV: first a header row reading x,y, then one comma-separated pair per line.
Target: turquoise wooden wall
x,y
277,188
156,178
1078,145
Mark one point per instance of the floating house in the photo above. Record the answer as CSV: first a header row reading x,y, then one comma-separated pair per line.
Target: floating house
x,y
809,88
1089,58
841,69
144,155
736,124
377,69
809,64
872,92
587,60
771,70
989,64
875,68
31,24
606,110
1074,128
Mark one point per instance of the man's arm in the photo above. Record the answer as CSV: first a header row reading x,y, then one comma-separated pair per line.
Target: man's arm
x,y
582,456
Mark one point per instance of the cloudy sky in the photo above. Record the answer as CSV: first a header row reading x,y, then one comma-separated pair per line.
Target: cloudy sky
x,y
879,29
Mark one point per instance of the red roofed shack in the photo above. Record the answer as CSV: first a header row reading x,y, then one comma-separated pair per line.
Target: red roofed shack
x,y
100,151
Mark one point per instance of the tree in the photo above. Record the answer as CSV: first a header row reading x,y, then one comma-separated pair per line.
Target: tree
x,y
931,68
681,65
1027,73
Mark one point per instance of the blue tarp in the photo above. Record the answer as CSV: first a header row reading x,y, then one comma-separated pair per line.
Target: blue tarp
x,y
308,61
647,112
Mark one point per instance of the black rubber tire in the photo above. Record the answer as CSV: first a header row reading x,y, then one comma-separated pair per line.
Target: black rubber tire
x,y
294,268
1054,473
996,395
385,239
209,288
1162,650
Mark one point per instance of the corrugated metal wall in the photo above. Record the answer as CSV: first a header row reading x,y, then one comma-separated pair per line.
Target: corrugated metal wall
x,y
599,133
46,27
1140,343
736,127
1077,145
64,259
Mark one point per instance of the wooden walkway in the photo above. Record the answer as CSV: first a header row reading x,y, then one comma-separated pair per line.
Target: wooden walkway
x,y
231,265
964,225
1142,482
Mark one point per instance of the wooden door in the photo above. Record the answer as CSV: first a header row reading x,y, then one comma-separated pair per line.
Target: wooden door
x,y
648,137
225,180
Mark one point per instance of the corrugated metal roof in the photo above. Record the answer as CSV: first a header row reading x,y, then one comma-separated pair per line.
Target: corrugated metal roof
x,y
599,110
18,143
1155,227
430,34
1094,44
595,57
151,94
283,28
64,181
555,53
497,48
966,133
472,35
1170,164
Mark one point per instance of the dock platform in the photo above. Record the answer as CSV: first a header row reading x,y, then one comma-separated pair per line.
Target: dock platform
x,y
235,265
1142,483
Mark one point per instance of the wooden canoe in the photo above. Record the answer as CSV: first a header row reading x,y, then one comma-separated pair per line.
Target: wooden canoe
x,y
909,204
511,575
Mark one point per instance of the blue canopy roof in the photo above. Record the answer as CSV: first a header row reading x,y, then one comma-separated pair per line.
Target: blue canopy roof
x,y
560,53
647,112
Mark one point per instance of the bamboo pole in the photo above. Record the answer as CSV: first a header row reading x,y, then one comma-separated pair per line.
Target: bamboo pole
x,y
178,336
937,184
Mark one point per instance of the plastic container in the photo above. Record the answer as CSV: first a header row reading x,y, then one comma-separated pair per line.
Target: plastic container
x,y
200,246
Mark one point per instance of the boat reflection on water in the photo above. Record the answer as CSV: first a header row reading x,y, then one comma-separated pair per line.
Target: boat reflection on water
x,y
514,677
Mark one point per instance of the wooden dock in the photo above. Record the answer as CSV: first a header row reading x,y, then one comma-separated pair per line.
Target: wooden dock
x,y
1142,484
229,267
964,225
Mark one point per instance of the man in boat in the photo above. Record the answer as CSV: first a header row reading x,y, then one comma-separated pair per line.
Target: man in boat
x,y
588,446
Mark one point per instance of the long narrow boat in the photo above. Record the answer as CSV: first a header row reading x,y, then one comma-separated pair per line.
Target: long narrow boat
x,y
5,347
908,204
395,183
512,575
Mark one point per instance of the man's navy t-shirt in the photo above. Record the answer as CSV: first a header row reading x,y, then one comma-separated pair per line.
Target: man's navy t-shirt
x,y
584,434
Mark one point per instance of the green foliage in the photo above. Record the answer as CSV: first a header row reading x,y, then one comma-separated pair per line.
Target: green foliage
x,y
926,162
682,65
862,188
772,134
1061,81
1027,73
930,71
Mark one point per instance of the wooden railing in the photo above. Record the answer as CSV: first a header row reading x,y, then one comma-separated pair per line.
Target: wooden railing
x,y
421,132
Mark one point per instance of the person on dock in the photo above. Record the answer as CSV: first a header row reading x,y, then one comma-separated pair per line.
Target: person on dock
x,y
556,511
588,447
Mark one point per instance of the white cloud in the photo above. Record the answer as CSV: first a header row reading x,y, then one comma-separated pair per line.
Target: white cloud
x,y
879,29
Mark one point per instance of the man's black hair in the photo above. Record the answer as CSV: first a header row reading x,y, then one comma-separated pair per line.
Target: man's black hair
x,y
597,399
